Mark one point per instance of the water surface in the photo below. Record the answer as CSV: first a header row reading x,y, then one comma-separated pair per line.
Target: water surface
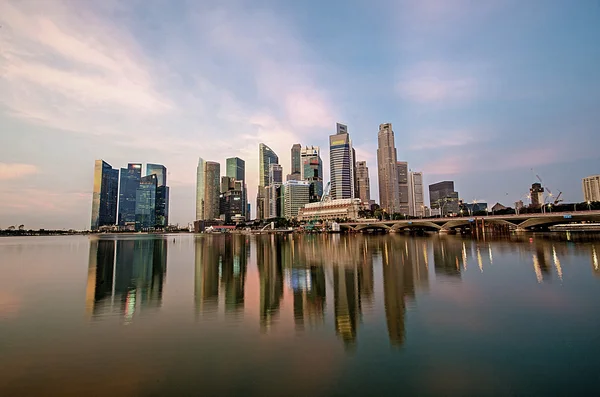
x,y
299,315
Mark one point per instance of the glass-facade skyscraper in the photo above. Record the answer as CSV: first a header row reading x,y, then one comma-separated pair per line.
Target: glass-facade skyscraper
x,y
162,193
266,156
236,168
341,164
160,171
311,170
130,181
104,198
145,203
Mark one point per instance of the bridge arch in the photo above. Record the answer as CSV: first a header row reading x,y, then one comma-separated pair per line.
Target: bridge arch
x,y
383,226
415,225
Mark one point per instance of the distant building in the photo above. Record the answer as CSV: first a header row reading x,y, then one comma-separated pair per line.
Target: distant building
x,y
212,191
476,207
145,203
266,156
536,194
162,194
275,174
295,196
403,187
311,171
341,163
362,180
200,189
236,168
129,183
296,163
293,177
387,173
160,171
331,210
416,203
104,198
273,205
231,204
591,188
498,207
443,200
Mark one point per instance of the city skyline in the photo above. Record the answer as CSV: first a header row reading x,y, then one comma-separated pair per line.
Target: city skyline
x,y
472,100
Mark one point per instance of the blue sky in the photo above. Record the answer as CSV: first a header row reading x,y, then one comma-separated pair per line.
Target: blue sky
x,y
479,92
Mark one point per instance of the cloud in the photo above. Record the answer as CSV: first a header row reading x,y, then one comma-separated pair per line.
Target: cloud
x,y
446,138
16,170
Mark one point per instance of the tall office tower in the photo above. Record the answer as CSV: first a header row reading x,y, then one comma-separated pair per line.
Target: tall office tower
x,y
296,164
160,171
162,193
295,196
273,198
231,199
362,181
130,181
145,203
354,180
442,198
403,194
212,179
341,164
236,168
275,174
389,195
591,188
104,198
311,171
416,203
266,156
200,189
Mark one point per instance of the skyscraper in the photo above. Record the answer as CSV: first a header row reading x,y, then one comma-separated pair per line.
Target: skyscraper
x,y
130,181
341,164
266,156
200,189
212,179
236,168
231,203
145,203
591,188
275,174
389,195
311,171
104,198
295,196
415,194
442,198
403,195
296,164
362,180
162,193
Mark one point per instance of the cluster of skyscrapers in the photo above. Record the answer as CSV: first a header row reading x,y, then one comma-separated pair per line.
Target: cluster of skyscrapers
x,y
143,201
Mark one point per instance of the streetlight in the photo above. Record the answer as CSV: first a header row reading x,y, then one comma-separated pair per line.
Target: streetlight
x,y
550,207
589,205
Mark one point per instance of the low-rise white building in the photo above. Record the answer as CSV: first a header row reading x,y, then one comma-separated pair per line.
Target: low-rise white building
x,y
330,210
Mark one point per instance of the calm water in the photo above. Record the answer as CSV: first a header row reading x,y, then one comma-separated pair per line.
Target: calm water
x,y
303,315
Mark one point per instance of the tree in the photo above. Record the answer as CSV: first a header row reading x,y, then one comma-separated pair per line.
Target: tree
x,y
21,227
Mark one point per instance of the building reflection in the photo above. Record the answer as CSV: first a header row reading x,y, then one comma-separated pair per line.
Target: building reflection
x,y
448,255
269,257
346,294
125,275
220,268
309,290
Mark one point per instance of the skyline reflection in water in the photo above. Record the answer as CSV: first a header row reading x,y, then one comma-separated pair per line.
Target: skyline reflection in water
x,y
342,310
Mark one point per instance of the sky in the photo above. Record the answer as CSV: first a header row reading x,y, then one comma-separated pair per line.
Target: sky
x,y
487,93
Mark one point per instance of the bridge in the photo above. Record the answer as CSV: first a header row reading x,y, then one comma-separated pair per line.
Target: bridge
x,y
520,222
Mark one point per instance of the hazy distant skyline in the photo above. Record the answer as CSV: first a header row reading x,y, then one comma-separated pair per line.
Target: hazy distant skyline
x,y
479,92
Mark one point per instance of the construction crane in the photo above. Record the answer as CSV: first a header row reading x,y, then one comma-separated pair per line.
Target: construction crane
x,y
557,199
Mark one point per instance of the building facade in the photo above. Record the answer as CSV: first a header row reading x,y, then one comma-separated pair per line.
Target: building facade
x,y
160,171
212,191
104,197
162,193
536,195
443,199
266,156
341,164
416,202
145,203
296,164
403,187
231,202
362,181
331,210
389,196
129,183
311,171
200,189
591,188
295,196
236,168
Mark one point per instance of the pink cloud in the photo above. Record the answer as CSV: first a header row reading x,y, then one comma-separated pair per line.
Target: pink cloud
x,y
16,170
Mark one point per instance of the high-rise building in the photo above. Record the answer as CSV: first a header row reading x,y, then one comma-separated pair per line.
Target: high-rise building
x,y
296,164
231,199
273,199
275,174
145,203
160,171
536,194
200,190
236,168
341,164
443,199
212,179
354,180
416,203
266,156
362,180
389,195
403,188
162,193
311,171
130,181
591,188
295,196
104,198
